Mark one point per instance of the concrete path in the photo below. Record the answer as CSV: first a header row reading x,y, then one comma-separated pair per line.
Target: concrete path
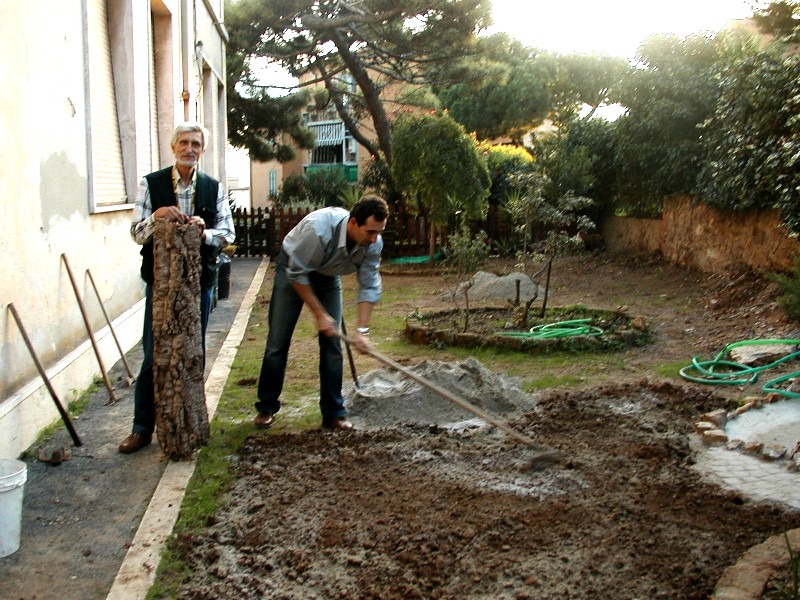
x,y
87,522
750,476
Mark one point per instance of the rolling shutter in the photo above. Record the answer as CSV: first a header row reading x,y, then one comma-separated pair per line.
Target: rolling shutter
x,y
107,177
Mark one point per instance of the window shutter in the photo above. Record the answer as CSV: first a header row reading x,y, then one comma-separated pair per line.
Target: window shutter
x,y
107,178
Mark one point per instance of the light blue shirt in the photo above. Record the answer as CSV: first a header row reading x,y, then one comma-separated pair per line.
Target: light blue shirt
x,y
318,243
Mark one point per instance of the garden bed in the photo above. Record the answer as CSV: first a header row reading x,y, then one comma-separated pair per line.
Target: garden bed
x,y
574,328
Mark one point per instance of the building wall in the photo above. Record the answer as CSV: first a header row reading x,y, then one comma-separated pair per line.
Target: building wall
x,y
260,176
69,184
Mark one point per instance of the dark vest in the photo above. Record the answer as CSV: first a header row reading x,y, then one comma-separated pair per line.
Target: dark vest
x,y
162,193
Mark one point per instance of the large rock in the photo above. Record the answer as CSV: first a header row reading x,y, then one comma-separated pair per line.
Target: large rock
x,y
488,286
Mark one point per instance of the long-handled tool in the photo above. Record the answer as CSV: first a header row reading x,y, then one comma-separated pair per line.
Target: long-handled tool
x,y
350,355
111,398
541,453
131,376
64,416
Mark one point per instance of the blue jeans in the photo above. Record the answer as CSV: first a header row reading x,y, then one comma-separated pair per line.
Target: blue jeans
x,y
284,311
144,409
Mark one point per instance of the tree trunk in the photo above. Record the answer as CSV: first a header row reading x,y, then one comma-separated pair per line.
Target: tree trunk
x,y
371,95
432,244
181,415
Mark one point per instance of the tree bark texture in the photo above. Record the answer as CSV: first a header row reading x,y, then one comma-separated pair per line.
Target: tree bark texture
x,y
181,415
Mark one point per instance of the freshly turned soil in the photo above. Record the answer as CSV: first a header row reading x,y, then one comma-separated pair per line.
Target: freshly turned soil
x,y
424,502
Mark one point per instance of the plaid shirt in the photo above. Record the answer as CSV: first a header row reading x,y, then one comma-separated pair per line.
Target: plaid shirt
x,y
220,235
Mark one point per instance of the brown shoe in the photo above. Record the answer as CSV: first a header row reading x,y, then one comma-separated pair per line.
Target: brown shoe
x,y
338,424
135,442
264,420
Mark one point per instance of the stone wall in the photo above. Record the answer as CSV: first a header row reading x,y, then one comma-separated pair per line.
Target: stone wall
x,y
629,234
705,238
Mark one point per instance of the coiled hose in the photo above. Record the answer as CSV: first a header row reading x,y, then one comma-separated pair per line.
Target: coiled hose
x,y
719,371
559,329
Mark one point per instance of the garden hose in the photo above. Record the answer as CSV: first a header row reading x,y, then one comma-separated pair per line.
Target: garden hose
x,y
559,329
725,372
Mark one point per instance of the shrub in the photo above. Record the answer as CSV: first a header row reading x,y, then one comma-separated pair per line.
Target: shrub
x,y
790,283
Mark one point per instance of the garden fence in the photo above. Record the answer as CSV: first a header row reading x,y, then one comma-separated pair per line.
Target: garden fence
x,y
259,232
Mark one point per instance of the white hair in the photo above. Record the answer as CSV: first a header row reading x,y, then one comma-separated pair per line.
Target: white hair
x,y
190,126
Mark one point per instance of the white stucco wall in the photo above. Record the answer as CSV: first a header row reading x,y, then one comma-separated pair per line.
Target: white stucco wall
x,y
47,195
44,178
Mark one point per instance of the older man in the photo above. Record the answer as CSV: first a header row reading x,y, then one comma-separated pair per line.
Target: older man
x,y
180,194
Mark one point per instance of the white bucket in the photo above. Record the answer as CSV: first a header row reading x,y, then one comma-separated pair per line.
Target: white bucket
x,y
13,474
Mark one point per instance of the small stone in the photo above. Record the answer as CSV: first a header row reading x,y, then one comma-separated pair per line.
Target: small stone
x,y
735,444
773,452
702,426
743,408
717,417
714,437
753,447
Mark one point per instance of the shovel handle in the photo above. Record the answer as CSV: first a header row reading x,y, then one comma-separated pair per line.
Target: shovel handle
x,y
64,414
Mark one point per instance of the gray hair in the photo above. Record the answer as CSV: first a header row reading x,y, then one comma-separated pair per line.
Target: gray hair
x,y
187,127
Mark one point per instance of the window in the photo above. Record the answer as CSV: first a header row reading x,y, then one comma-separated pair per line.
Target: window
x,y
273,183
106,181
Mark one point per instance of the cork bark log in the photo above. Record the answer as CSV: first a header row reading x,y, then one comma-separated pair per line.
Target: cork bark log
x,y
181,415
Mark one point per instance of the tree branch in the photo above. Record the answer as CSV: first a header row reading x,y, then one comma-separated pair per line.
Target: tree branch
x,y
349,123
314,22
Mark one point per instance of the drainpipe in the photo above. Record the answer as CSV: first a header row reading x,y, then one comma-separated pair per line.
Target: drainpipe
x,y
184,45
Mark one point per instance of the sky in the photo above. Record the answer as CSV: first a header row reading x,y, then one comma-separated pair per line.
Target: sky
x,y
614,27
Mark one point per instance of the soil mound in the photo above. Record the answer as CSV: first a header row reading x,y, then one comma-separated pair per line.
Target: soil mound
x,y
386,397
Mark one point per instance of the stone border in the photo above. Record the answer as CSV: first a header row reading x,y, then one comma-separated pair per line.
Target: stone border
x,y
418,333
746,579
711,428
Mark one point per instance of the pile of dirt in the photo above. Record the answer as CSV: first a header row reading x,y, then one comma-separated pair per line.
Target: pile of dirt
x,y
386,397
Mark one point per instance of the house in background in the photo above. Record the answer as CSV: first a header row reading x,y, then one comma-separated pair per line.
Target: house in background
x,y
237,184
335,148
93,90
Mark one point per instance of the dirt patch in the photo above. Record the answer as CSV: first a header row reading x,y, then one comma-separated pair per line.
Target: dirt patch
x,y
424,501
423,511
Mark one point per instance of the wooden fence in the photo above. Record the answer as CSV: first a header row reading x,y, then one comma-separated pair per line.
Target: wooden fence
x,y
260,232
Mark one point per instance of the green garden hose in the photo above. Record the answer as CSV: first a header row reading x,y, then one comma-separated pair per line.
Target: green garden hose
x,y
559,329
725,372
